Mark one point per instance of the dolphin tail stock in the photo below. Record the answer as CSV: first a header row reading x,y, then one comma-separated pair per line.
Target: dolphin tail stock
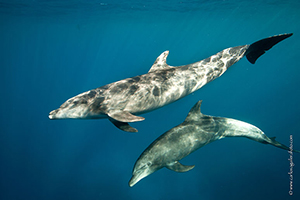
x,y
258,48
275,143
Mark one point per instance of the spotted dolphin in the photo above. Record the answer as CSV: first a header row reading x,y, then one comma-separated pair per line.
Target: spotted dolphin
x,y
195,132
123,100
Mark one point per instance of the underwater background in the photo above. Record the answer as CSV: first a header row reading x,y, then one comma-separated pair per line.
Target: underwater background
x,y
53,50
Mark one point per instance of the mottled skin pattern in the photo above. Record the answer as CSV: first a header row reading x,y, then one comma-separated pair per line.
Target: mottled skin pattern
x,y
150,91
162,85
195,132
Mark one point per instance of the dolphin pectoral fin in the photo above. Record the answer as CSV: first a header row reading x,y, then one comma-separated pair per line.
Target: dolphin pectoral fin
x,y
121,118
178,167
124,126
124,116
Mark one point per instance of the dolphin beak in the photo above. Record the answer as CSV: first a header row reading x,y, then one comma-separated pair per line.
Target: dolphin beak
x,y
134,179
52,114
137,177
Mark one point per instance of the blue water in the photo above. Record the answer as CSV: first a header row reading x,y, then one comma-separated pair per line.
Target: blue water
x,y
53,50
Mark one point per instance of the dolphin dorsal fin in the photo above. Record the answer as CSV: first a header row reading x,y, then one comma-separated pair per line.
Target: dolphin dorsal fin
x,y
160,62
195,112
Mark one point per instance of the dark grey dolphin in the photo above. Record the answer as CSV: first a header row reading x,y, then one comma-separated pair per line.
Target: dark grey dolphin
x,y
121,101
196,131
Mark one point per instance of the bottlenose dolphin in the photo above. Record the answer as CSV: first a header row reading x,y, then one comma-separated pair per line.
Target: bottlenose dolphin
x,y
121,101
196,131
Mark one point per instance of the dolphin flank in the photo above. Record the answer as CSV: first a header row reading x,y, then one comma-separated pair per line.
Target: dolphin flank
x,y
121,101
195,132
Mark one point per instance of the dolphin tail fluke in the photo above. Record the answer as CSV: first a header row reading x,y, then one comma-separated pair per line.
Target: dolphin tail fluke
x,y
279,145
297,151
258,48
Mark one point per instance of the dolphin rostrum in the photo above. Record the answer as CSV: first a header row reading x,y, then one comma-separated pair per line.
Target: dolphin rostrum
x,y
196,131
121,101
